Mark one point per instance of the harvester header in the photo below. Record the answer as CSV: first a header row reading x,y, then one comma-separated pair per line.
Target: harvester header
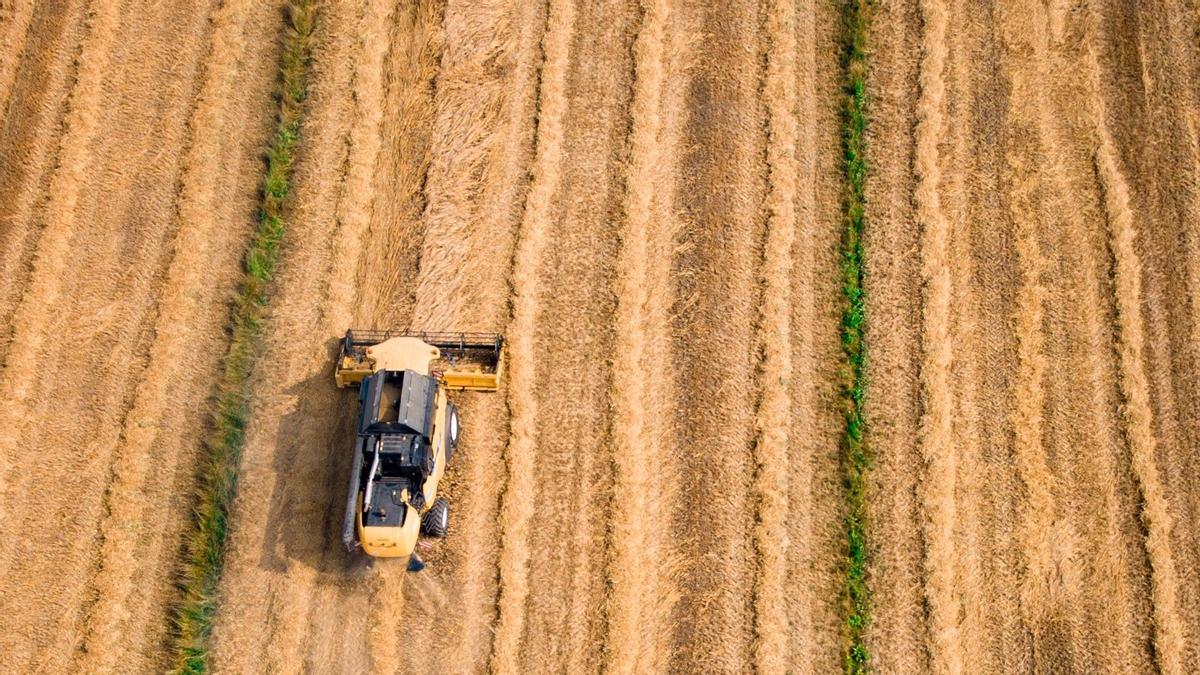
x,y
464,361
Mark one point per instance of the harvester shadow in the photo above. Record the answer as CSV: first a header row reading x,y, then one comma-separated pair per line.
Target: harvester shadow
x,y
311,463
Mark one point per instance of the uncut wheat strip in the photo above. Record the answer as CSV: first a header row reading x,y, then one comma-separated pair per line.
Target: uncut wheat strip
x,y
1168,627
395,235
517,502
122,525
773,418
15,17
34,318
482,150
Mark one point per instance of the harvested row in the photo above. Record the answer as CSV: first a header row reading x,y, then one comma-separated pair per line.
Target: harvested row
x,y
156,422
1154,139
442,141
816,535
897,634
1032,530
937,448
1138,415
120,278
640,571
773,419
533,240
573,494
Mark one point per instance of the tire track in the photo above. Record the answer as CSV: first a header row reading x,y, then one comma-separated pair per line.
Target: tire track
x,y
1168,628
517,501
774,415
938,485
50,258
30,137
200,256
642,587
15,17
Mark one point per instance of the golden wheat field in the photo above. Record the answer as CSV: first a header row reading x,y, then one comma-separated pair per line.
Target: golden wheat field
x,y
659,204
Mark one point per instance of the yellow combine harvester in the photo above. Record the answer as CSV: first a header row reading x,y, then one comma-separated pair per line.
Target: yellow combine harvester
x,y
407,430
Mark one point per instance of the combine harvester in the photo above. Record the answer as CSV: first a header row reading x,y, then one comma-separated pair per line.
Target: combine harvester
x,y
407,431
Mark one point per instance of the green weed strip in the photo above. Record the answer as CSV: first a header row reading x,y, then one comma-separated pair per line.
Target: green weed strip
x,y
204,544
856,453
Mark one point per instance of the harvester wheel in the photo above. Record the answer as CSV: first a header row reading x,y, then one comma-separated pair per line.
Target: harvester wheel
x,y
437,519
452,427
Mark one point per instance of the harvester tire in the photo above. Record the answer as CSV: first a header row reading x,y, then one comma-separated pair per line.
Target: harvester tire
x,y
437,519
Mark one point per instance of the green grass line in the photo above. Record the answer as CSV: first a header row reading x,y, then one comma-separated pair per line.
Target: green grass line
x,y
204,544
856,457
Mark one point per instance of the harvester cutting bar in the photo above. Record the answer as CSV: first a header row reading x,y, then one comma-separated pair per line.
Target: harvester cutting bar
x,y
473,358
356,341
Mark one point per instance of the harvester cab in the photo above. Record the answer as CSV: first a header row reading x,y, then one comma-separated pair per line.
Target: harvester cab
x,y
407,431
